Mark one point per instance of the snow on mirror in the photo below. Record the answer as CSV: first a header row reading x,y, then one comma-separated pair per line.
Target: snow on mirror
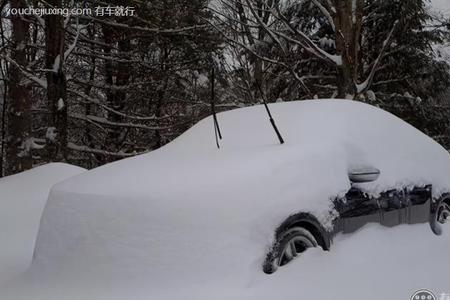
x,y
363,174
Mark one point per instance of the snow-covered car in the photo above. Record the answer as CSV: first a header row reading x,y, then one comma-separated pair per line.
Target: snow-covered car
x,y
252,205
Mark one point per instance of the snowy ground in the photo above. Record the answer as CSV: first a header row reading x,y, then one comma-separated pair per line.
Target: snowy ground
x,y
22,200
374,263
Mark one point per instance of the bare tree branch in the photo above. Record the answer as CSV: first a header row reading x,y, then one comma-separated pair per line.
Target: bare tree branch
x,y
363,87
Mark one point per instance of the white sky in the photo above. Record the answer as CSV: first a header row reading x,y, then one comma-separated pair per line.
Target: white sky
x,y
442,5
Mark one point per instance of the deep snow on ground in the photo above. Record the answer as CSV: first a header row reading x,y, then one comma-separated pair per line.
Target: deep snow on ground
x,y
374,263
22,200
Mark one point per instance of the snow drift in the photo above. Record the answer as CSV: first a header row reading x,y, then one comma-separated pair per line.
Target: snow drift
x,y
192,214
371,264
22,200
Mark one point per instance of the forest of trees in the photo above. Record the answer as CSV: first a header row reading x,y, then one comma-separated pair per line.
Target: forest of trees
x,y
93,88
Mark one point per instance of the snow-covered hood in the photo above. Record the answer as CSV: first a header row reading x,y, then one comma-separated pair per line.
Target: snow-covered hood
x,y
190,206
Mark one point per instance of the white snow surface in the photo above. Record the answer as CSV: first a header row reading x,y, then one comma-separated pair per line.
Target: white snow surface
x,y
371,264
22,200
192,203
190,221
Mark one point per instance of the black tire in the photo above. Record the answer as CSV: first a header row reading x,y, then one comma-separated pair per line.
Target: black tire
x,y
289,245
440,216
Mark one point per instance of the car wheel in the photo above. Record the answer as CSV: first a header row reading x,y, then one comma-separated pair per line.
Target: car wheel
x,y
441,216
290,244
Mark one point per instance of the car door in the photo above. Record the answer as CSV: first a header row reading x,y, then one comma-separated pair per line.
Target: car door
x,y
356,210
419,199
394,208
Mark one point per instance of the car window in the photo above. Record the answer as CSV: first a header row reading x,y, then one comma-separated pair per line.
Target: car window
x,y
356,203
419,195
392,200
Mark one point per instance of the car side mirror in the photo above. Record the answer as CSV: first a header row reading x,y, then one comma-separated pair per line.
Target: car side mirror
x,y
363,174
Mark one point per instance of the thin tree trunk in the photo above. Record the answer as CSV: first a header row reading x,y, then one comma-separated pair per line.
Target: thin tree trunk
x,y
5,74
162,89
116,75
3,126
88,137
18,157
122,79
56,85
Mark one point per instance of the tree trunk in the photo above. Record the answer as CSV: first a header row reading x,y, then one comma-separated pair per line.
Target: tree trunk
x,y
88,135
348,23
56,85
18,156
161,92
117,75
122,80
3,125
5,74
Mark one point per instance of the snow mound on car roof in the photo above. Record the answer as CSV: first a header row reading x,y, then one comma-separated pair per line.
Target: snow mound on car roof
x,y
349,132
190,206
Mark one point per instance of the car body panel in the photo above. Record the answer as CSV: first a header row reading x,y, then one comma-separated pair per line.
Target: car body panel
x,y
390,208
